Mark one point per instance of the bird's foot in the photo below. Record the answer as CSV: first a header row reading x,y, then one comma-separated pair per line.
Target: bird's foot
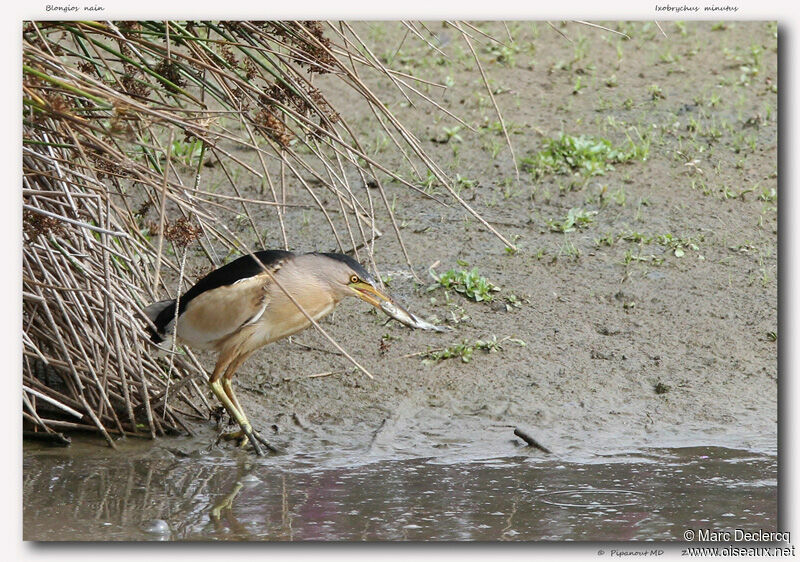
x,y
245,436
233,435
256,436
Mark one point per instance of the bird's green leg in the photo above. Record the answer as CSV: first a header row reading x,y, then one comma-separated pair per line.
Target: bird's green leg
x,y
219,392
228,387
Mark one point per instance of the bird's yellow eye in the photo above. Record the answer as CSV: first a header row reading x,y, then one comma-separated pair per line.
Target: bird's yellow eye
x,y
354,279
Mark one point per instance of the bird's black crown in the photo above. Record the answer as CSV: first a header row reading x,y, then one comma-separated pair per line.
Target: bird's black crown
x,y
352,264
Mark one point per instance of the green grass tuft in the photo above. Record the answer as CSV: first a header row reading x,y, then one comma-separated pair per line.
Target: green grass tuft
x,y
471,284
465,349
575,219
585,155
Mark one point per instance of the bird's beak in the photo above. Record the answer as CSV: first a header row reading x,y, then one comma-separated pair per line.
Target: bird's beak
x,y
370,294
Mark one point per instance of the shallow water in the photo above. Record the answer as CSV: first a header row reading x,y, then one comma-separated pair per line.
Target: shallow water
x,y
75,494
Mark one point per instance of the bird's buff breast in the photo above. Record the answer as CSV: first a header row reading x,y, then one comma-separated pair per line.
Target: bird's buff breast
x,y
284,318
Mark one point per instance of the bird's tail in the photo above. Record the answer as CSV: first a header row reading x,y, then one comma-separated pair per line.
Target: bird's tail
x,y
159,333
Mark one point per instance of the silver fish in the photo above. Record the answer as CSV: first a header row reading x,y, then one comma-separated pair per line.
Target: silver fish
x,y
403,316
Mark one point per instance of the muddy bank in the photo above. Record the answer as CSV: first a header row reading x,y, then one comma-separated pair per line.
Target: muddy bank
x,y
651,324
640,309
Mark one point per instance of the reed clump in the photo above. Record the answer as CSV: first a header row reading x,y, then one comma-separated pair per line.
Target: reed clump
x,y
120,119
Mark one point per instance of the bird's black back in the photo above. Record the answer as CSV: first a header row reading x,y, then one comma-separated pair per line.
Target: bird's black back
x,y
241,268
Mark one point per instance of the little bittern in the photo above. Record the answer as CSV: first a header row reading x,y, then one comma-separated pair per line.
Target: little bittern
x,y
241,307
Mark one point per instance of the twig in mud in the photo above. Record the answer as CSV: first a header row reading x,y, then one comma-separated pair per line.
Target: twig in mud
x,y
531,441
49,438
326,374
313,376
377,433
312,348
300,421
626,36
561,33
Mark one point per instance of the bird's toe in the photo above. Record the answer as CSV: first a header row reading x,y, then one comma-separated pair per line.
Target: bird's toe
x,y
267,444
233,436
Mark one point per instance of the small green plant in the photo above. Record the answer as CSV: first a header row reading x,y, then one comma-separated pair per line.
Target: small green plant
x,y
380,144
677,245
451,134
511,302
619,197
661,388
668,241
464,183
768,194
494,147
503,53
607,240
656,93
465,349
580,48
429,182
186,152
569,250
667,57
576,89
576,218
471,284
586,155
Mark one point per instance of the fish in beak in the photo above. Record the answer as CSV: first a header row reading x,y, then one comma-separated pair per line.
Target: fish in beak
x,y
367,292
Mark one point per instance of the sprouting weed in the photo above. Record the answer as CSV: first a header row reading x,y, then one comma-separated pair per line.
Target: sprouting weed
x,y
575,219
465,350
471,284
585,155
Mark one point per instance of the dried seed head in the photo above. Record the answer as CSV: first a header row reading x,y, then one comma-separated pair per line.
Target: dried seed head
x,y
134,87
181,232
228,55
250,70
58,104
171,76
273,128
86,67
143,209
241,97
35,225
129,26
315,49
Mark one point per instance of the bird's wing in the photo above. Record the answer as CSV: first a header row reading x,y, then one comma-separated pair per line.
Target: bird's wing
x,y
220,312
236,271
